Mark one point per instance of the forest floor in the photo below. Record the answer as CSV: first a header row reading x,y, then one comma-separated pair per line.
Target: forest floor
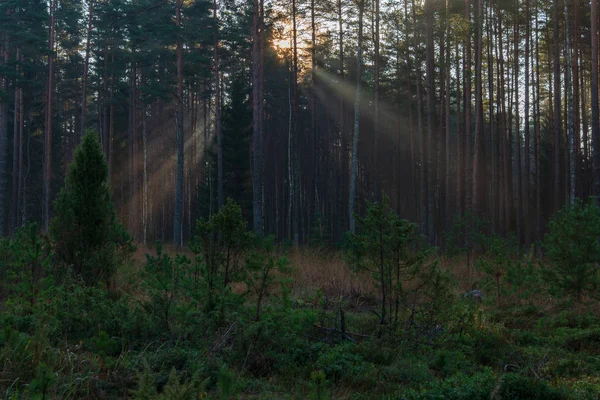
x,y
97,345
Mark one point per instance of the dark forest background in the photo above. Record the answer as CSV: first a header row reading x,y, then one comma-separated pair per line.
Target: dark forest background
x,y
302,110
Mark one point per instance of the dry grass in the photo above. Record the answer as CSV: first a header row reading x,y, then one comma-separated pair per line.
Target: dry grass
x,y
328,272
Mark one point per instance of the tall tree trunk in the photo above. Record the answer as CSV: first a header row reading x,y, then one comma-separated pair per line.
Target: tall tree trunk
x,y
423,213
478,142
354,171
429,82
377,158
344,162
557,117
538,155
218,132
595,112
518,159
257,122
295,136
16,172
86,63
527,172
494,173
467,92
413,163
570,115
460,148
447,158
177,224
48,123
3,138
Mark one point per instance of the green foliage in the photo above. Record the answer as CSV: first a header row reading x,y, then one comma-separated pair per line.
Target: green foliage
x,y
163,277
478,386
519,387
465,235
26,265
87,235
39,387
176,388
219,245
318,386
573,249
266,272
389,248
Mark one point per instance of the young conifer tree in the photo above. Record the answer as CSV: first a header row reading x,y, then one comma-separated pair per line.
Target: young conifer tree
x,y
88,237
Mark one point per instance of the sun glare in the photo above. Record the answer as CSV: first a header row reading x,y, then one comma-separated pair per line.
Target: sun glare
x,y
282,40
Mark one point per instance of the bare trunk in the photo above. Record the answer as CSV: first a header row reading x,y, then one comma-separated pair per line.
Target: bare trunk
x,y
354,171
86,63
257,124
557,117
48,122
595,114
570,114
3,139
178,220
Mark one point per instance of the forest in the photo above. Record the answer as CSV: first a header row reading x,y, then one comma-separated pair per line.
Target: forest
x,y
324,199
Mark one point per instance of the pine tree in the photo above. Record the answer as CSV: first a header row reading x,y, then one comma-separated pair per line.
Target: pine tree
x,y
86,233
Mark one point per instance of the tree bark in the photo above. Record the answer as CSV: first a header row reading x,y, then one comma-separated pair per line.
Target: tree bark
x,y
595,109
178,225
354,171
257,163
48,122
557,117
3,138
86,63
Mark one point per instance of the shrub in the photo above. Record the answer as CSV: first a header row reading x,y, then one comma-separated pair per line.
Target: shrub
x,y
219,245
88,237
573,249
519,387
387,247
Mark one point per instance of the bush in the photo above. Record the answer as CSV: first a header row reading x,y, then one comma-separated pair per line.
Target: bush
x,y
388,248
519,387
88,237
219,245
573,249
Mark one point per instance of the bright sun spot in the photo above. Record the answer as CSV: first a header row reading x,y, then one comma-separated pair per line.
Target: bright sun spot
x,y
282,40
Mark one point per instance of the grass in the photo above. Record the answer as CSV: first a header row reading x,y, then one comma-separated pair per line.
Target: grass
x,y
527,346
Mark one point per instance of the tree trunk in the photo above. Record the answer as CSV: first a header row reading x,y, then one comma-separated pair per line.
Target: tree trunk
x,y
518,160
527,172
86,63
16,172
377,156
478,143
3,139
218,133
557,117
354,172
595,114
570,115
429,82
257,122
48,121
423,213
467,92
177,224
